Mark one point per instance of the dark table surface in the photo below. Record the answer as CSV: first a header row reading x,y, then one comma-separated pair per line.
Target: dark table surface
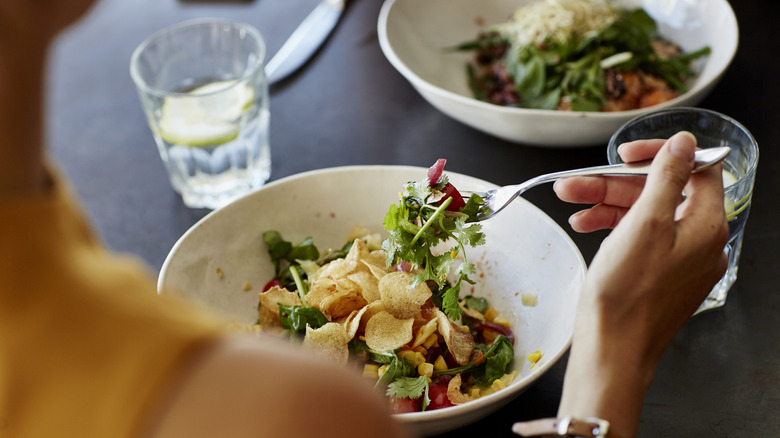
x,y
721,375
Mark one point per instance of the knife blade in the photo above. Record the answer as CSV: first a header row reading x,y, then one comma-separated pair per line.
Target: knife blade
x,y
305,40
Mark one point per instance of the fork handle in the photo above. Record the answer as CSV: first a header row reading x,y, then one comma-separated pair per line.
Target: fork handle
x,y
703,158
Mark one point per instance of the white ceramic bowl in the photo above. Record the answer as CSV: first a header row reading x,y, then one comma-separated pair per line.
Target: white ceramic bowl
x,y
413,34
526,252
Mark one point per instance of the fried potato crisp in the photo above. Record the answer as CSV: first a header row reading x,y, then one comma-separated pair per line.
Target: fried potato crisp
x,y
385,332
268,314
453,391
459,340
399,299
329,341
352,322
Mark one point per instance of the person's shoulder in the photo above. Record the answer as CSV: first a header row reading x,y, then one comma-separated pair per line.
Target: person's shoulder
x,y
244,386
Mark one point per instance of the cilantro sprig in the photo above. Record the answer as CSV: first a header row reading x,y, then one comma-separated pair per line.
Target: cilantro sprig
x,y
419,226
411,387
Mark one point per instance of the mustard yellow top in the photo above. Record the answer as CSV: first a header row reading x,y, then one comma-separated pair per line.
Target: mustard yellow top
x,y
86,345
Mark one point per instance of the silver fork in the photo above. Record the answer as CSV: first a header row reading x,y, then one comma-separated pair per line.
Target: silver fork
x,y
497,199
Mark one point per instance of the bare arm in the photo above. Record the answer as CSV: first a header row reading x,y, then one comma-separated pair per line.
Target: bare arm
x,y
647,279
250,388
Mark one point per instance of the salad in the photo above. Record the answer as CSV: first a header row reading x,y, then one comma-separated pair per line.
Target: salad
x,y
396,307
578,55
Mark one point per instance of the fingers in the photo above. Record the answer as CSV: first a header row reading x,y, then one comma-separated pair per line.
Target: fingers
x,y
599,217
620,191
669,174
639,150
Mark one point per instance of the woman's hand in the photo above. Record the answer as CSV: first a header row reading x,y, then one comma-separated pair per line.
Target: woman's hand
x,y
646,280
611,196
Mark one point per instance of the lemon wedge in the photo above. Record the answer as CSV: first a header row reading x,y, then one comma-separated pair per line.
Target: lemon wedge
x,y
205,116
733,208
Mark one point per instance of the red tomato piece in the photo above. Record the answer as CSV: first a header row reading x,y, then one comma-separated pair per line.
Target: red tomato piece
x,y
272,283
404,405
435,171
438,396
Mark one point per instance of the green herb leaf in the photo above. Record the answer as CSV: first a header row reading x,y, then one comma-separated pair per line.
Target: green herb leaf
x,y
398,367
296,318
412,388
480,304
497,360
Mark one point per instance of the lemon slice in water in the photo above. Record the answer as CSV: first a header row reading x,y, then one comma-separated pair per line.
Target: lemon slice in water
x,y
204,117
733,208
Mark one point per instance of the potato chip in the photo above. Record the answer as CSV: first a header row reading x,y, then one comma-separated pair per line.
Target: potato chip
x,y
342,303
367,283
453,391
376,258
352,322
358,251
329,341
459,340
377,271
400,300
268,312
338,268
385,332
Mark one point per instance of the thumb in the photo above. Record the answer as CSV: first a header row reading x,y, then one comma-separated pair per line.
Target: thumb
x,y
669,172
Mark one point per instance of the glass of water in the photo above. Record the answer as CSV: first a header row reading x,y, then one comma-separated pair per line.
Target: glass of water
x,y
204,92
739,170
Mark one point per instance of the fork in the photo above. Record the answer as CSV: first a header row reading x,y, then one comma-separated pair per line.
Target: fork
x,y
496,199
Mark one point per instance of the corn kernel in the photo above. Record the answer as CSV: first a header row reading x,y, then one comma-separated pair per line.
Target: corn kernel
x,y
489,335
498,385
440,364
501,321
381,370
529,300
420,349
474,393
425,369
414,357
534,357
491,313
371,371
430,341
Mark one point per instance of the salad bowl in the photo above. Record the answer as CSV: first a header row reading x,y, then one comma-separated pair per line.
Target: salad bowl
x,y
415,34
222,263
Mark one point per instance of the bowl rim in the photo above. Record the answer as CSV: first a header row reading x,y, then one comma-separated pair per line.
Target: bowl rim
x,y
419,82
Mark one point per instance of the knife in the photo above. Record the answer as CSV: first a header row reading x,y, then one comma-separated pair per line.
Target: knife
x,y
305,40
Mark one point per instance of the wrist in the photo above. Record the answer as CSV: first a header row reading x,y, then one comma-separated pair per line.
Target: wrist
x,y
608,374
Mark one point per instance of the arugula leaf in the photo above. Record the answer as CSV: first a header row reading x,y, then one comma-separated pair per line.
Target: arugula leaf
x,y
296,318
480,304
412,388
497,359
284,254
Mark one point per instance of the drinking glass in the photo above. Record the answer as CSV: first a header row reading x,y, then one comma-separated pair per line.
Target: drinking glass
x,y
204,92
739,170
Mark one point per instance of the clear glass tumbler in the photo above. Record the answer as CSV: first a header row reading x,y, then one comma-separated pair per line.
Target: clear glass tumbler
x,y
204,92
739,170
